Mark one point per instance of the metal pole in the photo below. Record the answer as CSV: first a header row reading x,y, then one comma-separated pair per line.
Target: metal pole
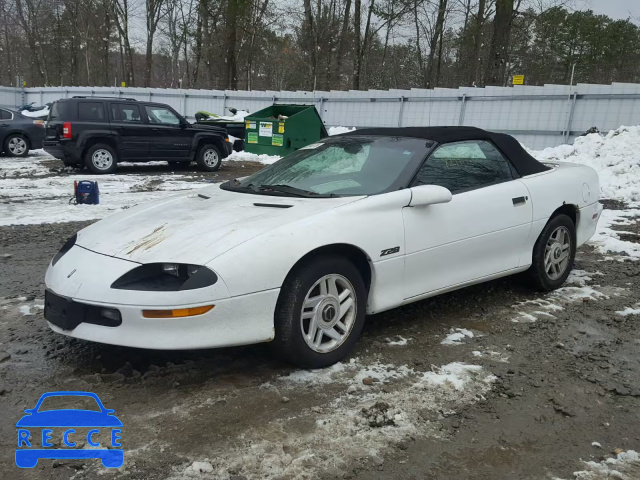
x,y
224,102
401,112
463,106
573,107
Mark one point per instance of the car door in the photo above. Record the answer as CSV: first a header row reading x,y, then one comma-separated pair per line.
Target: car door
x,y
479,233
133,131
5,123
171,140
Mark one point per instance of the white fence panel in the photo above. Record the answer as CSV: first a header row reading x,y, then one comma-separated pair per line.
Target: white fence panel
x,y
539,116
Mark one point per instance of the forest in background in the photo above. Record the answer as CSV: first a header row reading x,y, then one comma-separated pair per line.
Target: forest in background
x,y
312,44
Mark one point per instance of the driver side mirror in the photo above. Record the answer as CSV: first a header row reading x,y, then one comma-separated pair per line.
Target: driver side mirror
x,y
429,195
184,123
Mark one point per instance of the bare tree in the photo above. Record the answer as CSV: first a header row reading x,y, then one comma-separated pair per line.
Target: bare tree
x,y
122,12
154,13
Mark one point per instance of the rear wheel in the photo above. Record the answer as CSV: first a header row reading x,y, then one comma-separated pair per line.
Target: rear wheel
x,y
209,158
16,146
101,158
320,312
553,253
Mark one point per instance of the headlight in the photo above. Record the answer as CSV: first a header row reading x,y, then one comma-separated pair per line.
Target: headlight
x,y
166,277
65,248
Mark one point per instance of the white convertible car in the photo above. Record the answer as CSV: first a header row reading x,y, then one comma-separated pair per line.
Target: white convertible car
x,y
299,252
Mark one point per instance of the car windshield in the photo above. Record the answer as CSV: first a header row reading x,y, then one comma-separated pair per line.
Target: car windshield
x,y
345,165
63,402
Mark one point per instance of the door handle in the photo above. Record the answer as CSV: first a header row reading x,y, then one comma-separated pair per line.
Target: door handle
x,y
519,200
3,125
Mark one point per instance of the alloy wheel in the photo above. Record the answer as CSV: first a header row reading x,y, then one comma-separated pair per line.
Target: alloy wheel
x,y
328,313
557,253
17,146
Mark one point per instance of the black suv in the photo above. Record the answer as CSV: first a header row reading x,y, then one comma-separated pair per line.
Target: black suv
x,y
100,132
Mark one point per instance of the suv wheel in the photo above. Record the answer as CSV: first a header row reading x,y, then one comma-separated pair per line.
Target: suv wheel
x,y
16,146
209,158
101,158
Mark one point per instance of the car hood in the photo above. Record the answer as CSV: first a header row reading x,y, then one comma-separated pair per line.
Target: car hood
x,y
198,226
69,418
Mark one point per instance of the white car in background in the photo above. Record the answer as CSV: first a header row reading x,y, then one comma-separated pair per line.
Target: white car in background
x,y
299,252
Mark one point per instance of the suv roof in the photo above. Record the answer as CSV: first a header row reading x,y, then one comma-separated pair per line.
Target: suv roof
x,y
101,97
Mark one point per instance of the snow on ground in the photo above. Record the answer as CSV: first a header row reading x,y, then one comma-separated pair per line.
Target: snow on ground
x,y
367,419
252,157
635,310
625,466
457,336
30,195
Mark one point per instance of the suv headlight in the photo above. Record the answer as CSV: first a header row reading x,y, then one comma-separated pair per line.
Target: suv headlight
x,y
166,277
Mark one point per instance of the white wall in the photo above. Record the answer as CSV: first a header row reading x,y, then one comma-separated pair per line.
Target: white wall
x,y
538,116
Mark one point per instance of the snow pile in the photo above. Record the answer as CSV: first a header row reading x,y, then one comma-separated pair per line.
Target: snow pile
x,y
338,130
456,336
367,421
614,156
251,157
625,466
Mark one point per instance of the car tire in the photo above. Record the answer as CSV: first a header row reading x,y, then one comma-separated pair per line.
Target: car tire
x,y
320,312
209,158
553,254
101,158
16,145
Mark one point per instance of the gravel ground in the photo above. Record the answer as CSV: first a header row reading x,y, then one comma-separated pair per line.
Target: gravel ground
x,y
522,389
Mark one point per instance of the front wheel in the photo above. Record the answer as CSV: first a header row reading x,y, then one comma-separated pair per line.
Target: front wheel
x,y
209,158
16,146
320,312
553,253
101,158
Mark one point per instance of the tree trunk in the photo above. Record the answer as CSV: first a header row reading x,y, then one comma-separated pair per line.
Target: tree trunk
x,y
230,79
474,62
437,36
357,25
342,43
500,41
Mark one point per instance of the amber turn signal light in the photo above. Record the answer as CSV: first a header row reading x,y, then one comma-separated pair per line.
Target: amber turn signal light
x,y
177,313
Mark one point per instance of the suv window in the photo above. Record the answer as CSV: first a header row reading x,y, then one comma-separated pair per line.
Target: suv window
x,y
124,112
463,166
162,116
5,115
92,111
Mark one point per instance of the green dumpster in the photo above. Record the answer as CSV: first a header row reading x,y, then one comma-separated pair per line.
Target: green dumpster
x,y
282,129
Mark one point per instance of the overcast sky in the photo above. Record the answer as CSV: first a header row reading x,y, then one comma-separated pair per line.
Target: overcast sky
x,y
618,9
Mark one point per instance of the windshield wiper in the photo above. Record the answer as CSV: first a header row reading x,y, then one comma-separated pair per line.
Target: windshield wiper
x,y
283,188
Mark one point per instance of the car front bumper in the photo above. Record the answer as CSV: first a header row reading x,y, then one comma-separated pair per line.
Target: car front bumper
x,y
83,278
233,321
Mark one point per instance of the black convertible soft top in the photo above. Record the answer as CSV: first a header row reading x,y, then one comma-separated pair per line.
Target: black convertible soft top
x,y
524,163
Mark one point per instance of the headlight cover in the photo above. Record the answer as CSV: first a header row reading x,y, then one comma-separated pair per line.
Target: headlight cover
x,y
166,277
71,241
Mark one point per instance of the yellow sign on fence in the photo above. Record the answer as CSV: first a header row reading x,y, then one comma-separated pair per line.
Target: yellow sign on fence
x,y
518,79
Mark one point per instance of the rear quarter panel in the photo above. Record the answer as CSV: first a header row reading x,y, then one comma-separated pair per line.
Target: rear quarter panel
x,y
565,184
